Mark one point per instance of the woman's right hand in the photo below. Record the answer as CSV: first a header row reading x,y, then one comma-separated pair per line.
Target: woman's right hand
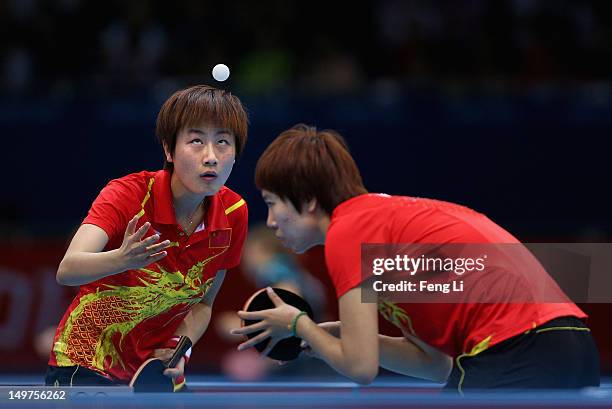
x,y
135,252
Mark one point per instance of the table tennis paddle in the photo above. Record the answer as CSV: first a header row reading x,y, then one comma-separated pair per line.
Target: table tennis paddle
x,y
286,349
150,375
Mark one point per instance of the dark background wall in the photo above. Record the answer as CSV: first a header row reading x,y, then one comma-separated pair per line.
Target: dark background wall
x,y
540,168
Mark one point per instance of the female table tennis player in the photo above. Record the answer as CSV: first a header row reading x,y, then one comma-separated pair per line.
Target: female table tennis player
x,y
315,195
151,254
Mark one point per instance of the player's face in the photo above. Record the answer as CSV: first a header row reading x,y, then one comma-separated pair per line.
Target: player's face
x,y
298,231
203,159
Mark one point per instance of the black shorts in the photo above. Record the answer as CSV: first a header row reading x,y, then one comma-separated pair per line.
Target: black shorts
x,y
75,376
558,354
79,376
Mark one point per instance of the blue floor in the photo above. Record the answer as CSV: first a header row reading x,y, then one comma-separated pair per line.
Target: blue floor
x,y
215,392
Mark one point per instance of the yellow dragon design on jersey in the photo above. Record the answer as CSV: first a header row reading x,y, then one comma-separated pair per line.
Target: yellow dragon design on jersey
x,y
396,316
119,309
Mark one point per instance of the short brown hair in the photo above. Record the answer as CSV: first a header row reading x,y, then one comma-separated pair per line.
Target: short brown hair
x,y
201,103
302,164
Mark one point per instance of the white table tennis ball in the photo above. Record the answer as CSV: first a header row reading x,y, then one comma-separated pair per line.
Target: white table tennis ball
x,y
220,72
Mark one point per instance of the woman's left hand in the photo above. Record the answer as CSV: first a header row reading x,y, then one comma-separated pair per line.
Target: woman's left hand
x,y
274,323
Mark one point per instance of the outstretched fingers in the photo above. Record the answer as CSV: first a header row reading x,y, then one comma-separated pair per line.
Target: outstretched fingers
x,y
271,344
252,315
140,233
131,227
276,300
254,341
261,325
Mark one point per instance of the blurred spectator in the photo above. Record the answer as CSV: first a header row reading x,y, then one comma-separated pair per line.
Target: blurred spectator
x,y
334,72
43,342
267,67
132,44
266,263
17,72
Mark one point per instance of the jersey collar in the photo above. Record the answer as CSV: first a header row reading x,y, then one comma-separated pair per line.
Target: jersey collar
x,y
163,209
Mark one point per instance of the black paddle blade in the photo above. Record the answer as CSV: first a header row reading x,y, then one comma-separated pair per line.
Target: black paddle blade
x,y
286,349
150,378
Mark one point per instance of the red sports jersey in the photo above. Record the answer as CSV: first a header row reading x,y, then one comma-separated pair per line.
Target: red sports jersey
x,y
453,328
114,324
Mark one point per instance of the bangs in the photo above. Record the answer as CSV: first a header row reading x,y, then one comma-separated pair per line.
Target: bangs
x,y
193,106
218,110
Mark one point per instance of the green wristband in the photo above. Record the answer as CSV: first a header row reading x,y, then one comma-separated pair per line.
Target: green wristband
x,y
294,322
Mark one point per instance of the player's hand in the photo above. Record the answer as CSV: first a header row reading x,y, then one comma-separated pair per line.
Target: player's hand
x,y
165,354
135,252
274,323
333,327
